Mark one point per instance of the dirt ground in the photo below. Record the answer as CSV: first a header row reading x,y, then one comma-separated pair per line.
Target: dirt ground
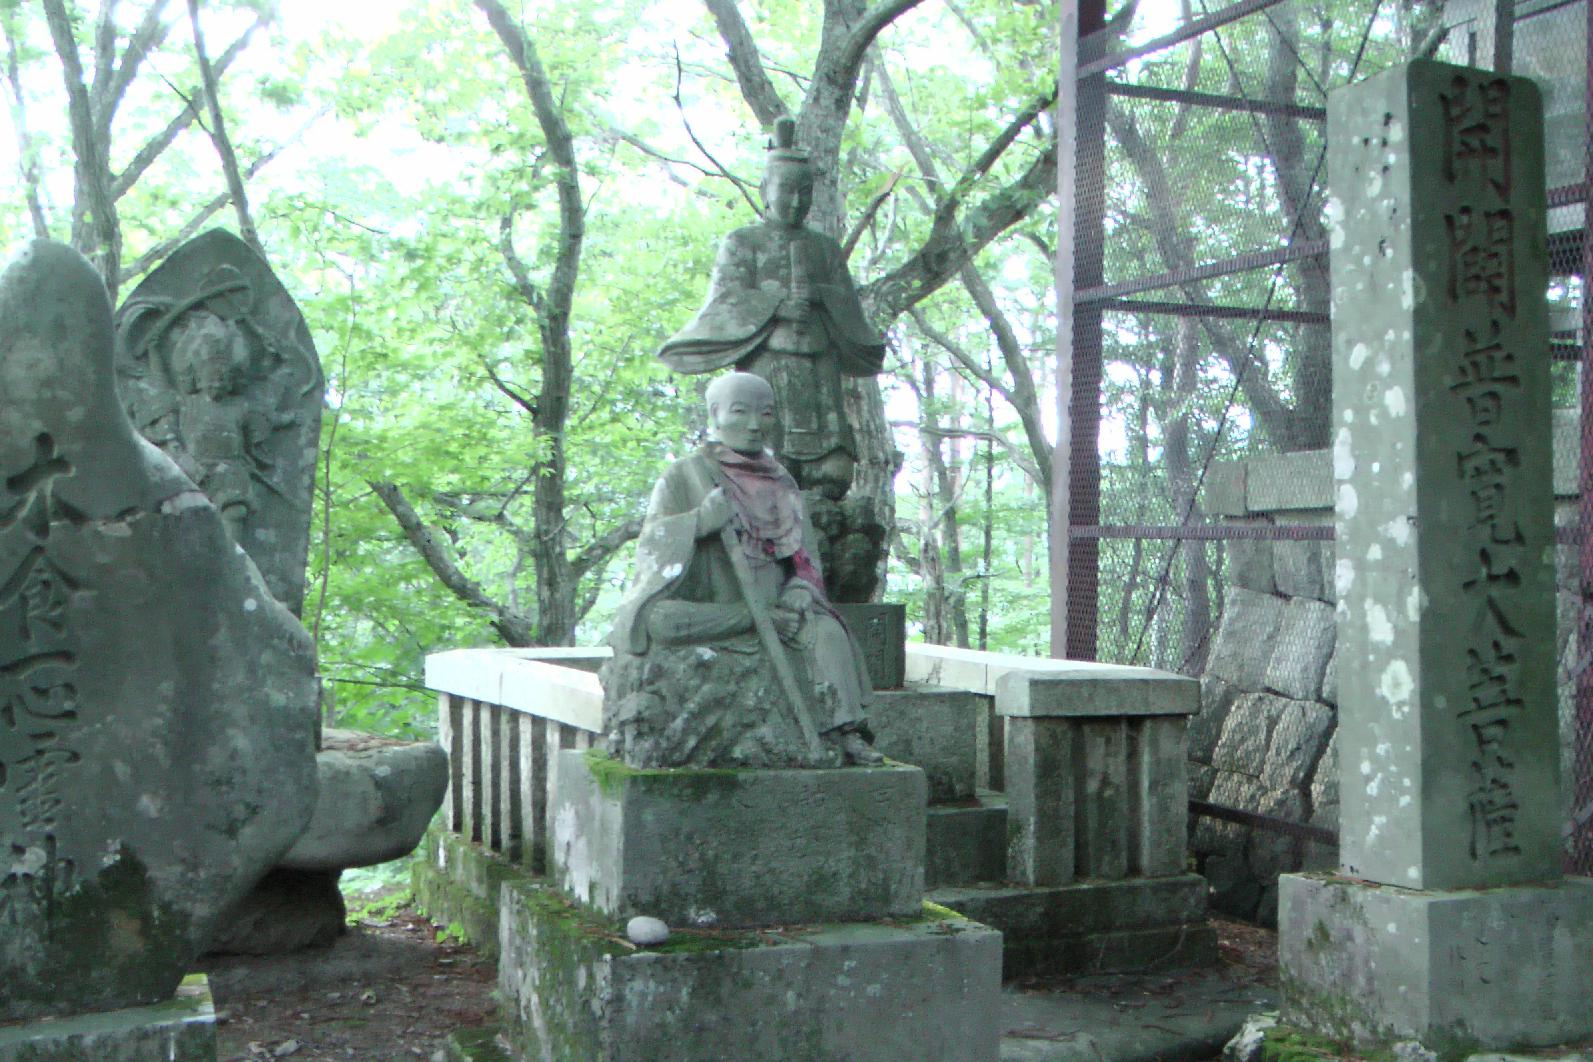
x,y
390,990
386,990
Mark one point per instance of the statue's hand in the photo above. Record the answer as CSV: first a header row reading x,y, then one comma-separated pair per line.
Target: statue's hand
x,y
714,513
787,623
797,596
792,308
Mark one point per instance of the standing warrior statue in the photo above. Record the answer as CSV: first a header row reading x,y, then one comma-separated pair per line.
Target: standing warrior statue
x,y
781,305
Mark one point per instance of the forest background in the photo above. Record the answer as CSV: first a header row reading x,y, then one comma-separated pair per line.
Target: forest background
x,y
492,214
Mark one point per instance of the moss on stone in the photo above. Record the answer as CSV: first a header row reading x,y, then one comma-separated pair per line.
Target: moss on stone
x,y
611,775
934,912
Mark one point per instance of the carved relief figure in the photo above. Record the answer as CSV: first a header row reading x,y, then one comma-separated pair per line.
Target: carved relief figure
x,y
728,652
216,367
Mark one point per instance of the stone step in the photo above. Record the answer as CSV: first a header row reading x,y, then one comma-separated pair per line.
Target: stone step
x,y
966,843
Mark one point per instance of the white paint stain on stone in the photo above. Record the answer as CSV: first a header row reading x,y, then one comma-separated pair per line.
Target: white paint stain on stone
x,y
1413,604
1398,529
672,571
1413,873
1378,821
1394,397
1335,220
1343,454
1407,290
1348,504
1395,687
250,604
1358,355
1407,481
1374,552
1343,576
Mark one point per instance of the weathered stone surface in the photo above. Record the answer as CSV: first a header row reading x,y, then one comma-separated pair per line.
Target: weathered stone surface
x,y
1297,743
1250,563
1217,698
1095,926
1300,480
217,368
1088,688
1297,568
963,845
1441,458
1494,968
933,728
181,1029
1243,646
880,629
1095,798
1241,791
927,988
1248,734
377,798
1223,492
161,756
289,910
1325,779
1304,647
748,847
1330,674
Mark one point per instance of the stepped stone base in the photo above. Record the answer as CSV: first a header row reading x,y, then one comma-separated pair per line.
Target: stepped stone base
x,y
925,989
182,1029
934,728
966,843
739,847
1487,968
1093,926
456,884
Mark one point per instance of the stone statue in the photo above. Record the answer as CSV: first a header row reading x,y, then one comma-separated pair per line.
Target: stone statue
x,y
781,305
727,649
216,367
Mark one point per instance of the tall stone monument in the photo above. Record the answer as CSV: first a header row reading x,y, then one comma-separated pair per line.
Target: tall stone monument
x,y
157,705
1449,922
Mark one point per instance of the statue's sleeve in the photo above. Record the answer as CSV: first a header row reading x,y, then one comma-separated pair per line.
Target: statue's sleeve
x,y
663,552
860,348
733,320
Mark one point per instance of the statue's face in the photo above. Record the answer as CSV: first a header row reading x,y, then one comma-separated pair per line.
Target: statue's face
x,y
743,417
787,194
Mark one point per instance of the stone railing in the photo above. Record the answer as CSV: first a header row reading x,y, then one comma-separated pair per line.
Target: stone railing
x,y
503,715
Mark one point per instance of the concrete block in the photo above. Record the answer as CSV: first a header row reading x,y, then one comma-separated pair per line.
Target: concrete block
x,y
1223,492
968,843
181,1029
925,989
880,629
1297,743
1093,927
1250,563
1247,734
1298,569
934,728
1086,688
1243,646
1301,480
739,847
1216,702
1305,645
1458,971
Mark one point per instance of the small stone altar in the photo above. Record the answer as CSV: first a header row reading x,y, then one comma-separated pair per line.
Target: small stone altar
x,y
1449,922
157,705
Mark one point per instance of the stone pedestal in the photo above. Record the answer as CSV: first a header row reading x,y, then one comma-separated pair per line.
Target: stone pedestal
x,y
924,988
880,630
182,1029
1450,924
739,847
1097,812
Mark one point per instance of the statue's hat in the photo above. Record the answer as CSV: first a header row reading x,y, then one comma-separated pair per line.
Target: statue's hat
x,y
782,148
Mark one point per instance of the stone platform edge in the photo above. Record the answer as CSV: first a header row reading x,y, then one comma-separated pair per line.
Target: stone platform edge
x,y
180,1029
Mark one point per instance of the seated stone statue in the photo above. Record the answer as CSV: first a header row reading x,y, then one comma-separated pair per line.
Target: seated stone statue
x,y
694,681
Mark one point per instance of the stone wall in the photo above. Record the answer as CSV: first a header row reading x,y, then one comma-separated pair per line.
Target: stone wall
x,y
1264,738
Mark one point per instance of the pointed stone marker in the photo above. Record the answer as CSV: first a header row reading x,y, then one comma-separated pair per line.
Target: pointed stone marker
x,y
156,704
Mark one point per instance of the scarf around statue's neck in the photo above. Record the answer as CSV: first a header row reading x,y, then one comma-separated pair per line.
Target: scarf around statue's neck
x,y
770,506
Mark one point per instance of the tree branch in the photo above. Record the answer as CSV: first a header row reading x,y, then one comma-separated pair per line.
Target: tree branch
x,y
146,155
873,22
219,138
596,553
756,88
108,92
95,231
512,626
27,157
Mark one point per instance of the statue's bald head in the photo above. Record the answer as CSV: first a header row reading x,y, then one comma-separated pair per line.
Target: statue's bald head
x,y
747,386
741,411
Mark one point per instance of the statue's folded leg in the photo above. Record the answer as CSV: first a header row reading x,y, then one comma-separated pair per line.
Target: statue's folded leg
x,y
835,662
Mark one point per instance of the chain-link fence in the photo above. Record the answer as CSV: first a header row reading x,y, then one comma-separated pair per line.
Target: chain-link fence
x,y
1201,516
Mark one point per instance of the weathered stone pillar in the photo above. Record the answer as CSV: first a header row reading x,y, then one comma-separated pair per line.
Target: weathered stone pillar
x,y
1448,742
1097,785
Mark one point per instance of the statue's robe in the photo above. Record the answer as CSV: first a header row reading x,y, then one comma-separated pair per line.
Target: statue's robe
x,y
758,268
685,596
